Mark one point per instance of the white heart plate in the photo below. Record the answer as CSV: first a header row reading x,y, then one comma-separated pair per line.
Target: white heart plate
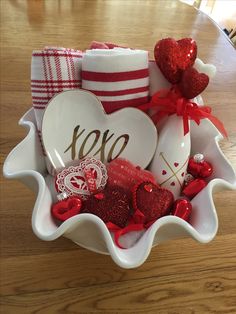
x,y
75,126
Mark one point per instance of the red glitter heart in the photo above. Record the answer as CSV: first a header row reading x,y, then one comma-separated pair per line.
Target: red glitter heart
x,y
111,205
193,83
176,164
153,203
65,209
173,57
164,172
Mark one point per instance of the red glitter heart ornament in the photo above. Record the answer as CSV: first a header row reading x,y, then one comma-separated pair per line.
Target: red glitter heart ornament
x,y
151,200
67,208
111,205
193,83
173,57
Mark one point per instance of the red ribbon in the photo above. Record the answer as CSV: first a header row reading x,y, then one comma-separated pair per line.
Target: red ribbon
x,y
136,223
169,102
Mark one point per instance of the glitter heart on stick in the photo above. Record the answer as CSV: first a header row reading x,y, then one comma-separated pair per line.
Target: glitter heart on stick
x,y
193,83
173,57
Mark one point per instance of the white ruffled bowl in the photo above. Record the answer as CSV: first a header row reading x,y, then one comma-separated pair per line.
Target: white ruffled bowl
x,y
26,163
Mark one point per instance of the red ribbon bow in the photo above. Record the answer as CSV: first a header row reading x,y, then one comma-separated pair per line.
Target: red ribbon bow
x,y
171,101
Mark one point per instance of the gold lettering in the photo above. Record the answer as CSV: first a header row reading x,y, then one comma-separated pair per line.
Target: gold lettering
x,y
81,151
102,148
74,140
126,140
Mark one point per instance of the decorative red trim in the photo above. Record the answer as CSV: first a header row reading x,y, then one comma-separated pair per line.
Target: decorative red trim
x,y
111,106
115,76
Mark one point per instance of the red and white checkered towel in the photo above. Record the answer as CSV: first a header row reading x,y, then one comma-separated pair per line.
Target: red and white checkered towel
x,y
53,70
119,76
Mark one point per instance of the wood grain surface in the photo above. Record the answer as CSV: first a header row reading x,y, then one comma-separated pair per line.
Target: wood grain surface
x,y
180,276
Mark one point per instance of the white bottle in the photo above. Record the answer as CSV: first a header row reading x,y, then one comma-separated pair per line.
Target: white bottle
x,y
170,161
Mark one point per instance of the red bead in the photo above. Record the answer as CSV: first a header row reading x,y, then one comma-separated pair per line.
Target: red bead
x,y
65,209
201,169
182,208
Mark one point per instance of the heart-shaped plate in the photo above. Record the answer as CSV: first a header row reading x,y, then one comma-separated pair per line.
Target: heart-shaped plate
x,y
75,126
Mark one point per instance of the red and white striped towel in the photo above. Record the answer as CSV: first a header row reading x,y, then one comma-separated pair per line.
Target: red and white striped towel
x,y
53,70
119,77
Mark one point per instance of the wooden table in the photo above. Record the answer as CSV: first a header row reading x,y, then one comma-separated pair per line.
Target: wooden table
x,y
180,276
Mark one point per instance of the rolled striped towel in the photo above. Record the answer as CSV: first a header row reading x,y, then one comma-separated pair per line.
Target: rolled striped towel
x,y
53,70
119,77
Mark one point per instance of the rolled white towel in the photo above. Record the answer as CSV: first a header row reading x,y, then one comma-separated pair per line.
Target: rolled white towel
x,y
119,77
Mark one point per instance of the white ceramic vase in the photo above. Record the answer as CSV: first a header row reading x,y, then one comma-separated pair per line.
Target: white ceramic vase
x,y
172,154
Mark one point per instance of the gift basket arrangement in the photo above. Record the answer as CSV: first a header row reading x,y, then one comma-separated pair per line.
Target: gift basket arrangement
x,y
121,150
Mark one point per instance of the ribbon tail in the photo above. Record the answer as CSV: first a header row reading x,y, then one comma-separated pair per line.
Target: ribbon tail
x,y
119,233
219,125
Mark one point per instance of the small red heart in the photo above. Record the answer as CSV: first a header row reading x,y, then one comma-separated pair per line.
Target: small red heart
x,y
176,164
164,172
182,208
173,57
153,203
65,209
172,183
182,174
111,205
193,83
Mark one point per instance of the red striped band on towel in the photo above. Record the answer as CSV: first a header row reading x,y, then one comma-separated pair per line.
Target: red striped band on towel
x,y
115,76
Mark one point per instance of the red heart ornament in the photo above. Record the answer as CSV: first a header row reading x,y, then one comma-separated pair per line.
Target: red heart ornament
x,y
111,205
182,208
173,57
65,209
193,83
151,200
123,173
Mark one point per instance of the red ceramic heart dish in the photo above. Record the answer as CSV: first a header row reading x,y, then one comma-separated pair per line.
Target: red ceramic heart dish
x,y
65,209
151,200
193,83
173,57
111,205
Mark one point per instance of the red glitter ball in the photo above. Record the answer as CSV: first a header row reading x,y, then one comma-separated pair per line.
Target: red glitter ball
x,y
173,57
193,83
113,207
154,204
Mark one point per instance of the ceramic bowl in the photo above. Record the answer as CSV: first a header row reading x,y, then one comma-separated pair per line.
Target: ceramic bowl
x,y
27,163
